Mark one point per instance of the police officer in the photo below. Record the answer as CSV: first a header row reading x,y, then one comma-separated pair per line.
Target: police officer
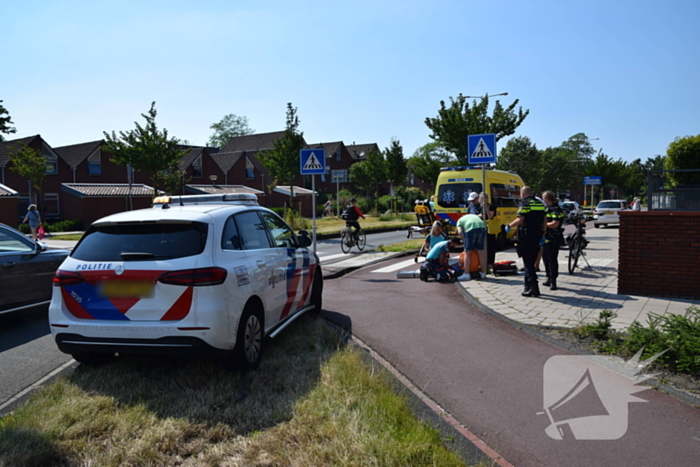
x,y
553,238
530,224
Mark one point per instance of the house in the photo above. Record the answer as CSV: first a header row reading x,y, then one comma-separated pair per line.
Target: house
x,y
8,206
87,202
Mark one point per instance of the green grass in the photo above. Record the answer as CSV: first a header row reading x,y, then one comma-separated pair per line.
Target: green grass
x,y
64,237
331,225
313,402
408,245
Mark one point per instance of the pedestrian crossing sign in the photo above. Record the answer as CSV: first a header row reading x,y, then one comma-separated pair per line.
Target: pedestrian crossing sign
x,y
482,148
312,161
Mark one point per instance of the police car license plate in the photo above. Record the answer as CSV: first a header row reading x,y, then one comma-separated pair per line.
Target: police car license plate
x,y
126,289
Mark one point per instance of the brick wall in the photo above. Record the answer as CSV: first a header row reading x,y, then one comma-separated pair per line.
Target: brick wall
x,y
659,254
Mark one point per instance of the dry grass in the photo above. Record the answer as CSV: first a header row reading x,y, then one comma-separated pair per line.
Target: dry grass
x,y
330,225
313,402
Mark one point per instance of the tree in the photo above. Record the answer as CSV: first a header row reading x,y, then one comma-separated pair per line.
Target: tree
x,y
229,126
5,122
559,170
580,145
614,174
396,169
29,163
521,156
283,159
683,154
428,160
369,173
146,148
454,123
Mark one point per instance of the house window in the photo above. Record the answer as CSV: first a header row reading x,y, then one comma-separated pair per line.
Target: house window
x,y
51,162
337,156
95,164
51,207
339,176
327,172
249,169
412,179
197,167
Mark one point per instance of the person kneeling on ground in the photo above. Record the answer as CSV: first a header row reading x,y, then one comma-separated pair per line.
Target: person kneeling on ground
x,y
438,258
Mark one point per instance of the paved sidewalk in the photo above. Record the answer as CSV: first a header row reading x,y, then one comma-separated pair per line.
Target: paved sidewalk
x,y
580,297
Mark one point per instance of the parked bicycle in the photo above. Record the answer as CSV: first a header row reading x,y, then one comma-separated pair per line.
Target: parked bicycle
x,y
350,238
577,241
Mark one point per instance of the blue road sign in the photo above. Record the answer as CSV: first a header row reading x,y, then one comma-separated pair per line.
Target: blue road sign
x,y
312,161
482,148
592,180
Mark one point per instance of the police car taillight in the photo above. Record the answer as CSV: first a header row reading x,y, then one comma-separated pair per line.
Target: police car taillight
x,y
194,277
66,278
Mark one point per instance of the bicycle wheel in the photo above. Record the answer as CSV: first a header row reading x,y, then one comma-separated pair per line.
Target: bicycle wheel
x,y
361,240
574,253
344,242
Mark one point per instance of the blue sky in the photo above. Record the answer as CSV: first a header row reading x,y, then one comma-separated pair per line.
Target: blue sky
x,y
626,72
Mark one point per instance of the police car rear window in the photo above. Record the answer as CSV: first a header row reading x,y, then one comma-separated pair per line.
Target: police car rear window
x,y
141,242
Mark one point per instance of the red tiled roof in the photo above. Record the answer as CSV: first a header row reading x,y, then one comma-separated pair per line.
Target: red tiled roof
x,y
106,189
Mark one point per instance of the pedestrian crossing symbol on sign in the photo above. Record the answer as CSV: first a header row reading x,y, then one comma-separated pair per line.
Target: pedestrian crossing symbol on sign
x,y
313,161
482,149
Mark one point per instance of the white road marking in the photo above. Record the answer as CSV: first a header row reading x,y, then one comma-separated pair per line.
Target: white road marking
x,y
401,265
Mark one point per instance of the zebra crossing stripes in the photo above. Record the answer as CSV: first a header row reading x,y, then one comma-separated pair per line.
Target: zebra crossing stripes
x,y
397,266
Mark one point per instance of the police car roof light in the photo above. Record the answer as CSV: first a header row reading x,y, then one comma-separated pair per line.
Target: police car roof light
x,y
226,198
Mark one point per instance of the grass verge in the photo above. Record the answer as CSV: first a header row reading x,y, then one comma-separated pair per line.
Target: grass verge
x,y
65,237
408,245
313,402
331,225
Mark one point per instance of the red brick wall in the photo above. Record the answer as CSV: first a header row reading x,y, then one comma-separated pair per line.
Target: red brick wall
x,y
659,254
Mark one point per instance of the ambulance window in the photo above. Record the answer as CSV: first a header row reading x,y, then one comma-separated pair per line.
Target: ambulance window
x,y
456,195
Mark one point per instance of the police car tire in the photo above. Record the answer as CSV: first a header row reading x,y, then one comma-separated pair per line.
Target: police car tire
x,y
249,340
317,293
92,358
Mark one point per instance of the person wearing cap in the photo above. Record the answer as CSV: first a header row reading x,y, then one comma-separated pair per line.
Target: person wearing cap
x,y
474,207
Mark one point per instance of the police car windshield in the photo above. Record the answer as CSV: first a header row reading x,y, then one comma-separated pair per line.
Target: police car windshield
x,y
456,195
141,242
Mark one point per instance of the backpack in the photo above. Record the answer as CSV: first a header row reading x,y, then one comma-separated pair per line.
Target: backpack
x,y
349,213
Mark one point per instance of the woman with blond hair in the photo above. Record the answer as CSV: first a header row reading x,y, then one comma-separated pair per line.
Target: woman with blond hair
x,y
435,236
34,219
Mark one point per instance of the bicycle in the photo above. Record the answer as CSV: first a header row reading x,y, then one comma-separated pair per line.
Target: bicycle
x,y
349,239
577,241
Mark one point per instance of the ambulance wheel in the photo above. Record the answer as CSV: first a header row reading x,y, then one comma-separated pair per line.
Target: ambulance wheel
x,y
249,340
92,358
317,293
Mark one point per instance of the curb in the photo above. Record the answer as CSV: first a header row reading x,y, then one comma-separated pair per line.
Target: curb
x,y
533,330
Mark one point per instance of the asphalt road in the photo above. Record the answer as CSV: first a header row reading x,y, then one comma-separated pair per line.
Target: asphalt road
x,y
490,375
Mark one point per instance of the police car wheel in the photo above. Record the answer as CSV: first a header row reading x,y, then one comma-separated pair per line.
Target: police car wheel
x,y
92,358
249,341
317,293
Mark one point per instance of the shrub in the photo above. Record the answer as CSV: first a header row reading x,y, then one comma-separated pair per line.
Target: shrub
x,y
680,334
64,226
296,221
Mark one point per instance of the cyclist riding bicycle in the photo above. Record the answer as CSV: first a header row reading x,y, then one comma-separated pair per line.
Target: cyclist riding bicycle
x,y
351,213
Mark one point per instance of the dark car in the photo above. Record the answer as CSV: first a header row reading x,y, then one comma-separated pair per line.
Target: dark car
x,y
26,271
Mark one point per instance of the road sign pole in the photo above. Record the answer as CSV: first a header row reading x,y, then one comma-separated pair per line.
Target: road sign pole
x,y
313,209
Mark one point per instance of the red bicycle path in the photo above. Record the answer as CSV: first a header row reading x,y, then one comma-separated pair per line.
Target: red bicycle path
x,y
488,374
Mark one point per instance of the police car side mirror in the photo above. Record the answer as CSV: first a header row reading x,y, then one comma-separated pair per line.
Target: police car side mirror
x,y
304,239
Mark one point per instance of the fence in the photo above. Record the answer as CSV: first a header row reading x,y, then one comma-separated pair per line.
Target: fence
x,y
666,195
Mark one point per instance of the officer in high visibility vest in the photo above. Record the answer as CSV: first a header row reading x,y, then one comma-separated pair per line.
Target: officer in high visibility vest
x,y
553,238
531,224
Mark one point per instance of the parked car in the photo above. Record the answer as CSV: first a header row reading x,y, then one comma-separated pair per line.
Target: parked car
x,y
200,274
26,271
571,206
607,212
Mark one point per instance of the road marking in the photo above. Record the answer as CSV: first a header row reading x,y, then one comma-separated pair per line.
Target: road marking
x,y
330,257
397,266
36,385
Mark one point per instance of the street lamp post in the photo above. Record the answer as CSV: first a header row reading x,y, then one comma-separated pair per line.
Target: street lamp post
x,y
585,187
487,95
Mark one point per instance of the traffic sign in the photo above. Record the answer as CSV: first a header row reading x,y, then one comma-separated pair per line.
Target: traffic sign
x,y
592,180
312,161
481,149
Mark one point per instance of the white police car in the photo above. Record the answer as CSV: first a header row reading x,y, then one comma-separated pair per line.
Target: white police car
x,y
210,274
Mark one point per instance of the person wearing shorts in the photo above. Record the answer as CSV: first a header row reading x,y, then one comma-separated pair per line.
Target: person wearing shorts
x,y
473,231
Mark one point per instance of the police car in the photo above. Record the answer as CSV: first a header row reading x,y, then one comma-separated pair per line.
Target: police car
x,y
209,274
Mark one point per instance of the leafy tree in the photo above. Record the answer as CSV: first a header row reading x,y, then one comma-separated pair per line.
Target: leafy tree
x,y
29,163
396,169
427,161
5,122
229,126
146,148
615,174
684,153
369,173
521,156
454,123
559,171
580,145
283,159
174,180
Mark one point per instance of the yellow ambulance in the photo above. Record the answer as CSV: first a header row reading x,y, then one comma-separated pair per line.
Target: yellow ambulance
x,y
455,184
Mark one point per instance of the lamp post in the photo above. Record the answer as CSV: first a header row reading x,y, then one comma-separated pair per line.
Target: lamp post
x,y
487,95
213,179
585,188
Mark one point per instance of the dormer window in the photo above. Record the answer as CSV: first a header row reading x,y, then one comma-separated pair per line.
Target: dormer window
x,y
249,169
197,167
51,162
95,163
